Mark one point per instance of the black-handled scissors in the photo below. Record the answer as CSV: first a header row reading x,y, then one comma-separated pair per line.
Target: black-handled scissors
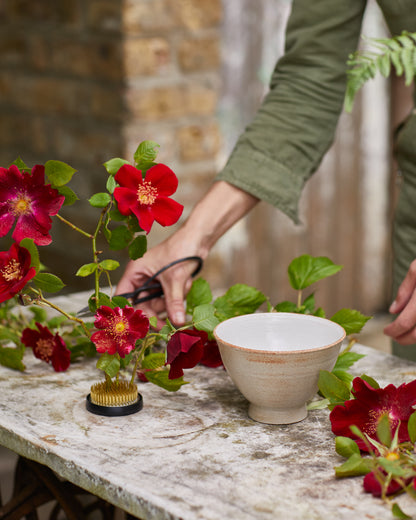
x,y
152,284
155,286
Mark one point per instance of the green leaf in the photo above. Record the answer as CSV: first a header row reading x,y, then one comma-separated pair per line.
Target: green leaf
x,y
354,466
346,359
109,364
383,430
48,282
411,427
8,335
29,244
58,172
39,314
346,447
100,200
120,301
309,304
70,196
372,382
56,322
111,184
199,294
121,236
306,270
351,320
161,378
154,360
109,265
399,513
138,247
319,404
146,152
345,376
333,388
153,321
203,317
239,299
113,165
12,357
286,307
392,466
103,299
19,162
87,269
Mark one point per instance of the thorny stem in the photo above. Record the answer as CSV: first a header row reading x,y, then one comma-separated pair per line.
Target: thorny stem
x,y
147,342
76,228
95,252
41,300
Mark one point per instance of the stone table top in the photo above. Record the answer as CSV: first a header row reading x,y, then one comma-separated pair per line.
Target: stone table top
x,y
189,455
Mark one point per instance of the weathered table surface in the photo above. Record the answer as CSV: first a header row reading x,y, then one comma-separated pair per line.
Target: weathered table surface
x,y
189,455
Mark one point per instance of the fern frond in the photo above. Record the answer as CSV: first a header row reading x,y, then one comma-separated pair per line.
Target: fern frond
x,y
398,52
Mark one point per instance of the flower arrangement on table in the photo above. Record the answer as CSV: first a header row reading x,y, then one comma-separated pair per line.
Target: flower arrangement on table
x,y
138,194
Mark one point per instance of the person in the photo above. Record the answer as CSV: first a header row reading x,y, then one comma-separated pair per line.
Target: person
x,y
283,146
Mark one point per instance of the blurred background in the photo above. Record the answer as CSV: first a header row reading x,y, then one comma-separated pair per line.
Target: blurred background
x,y
83,81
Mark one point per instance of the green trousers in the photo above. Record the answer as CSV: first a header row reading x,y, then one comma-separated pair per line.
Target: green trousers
x,y
404,230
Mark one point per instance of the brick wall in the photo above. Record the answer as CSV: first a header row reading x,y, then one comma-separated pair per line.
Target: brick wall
x,y
86,80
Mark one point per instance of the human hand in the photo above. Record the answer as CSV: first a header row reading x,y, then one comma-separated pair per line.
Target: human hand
x,y
403,328
176,280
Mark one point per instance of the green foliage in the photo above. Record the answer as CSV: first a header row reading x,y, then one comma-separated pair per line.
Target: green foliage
x,y
398,53
58,173
109,364
48,282
306,270
138,247
238,300
100,200
146,154
113,165
199,294
351,320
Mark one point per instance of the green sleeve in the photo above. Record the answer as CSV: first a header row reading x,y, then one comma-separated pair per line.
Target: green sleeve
x,y
295,125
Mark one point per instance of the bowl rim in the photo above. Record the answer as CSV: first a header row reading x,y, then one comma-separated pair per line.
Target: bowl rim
x,y
281,352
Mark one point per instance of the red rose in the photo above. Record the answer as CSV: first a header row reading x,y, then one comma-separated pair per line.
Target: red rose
x,y
47,347
148,198
26,199
15,271
185,350
119,329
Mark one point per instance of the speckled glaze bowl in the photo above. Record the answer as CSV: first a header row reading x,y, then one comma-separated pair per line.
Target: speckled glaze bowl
x,y
274,359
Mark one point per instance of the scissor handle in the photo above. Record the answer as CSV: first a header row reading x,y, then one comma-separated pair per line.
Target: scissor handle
x,y
149,286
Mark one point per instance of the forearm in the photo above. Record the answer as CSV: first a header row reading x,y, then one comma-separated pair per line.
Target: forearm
x,y
214,214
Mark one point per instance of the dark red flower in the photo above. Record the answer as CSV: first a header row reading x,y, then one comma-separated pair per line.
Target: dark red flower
x,y
15,271
373,486
369,405
211,356
148,198
119,329
47,347
26,199
185,350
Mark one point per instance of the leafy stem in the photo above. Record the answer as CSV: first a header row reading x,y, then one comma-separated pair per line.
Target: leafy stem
x,y
43,301
148,341
74,227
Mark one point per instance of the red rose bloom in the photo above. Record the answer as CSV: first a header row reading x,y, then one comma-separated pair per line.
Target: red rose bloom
x,y
211,357
148,198
185,350
119,329
15,271
47,347
26,199
369,405
373,486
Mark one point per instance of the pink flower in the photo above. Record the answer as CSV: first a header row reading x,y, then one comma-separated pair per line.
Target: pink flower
x,y
47,347
185,350
15,271
148,198
119,329
369,405
26,199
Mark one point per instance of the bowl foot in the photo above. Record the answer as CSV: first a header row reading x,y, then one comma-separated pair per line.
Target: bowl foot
x,y
279,416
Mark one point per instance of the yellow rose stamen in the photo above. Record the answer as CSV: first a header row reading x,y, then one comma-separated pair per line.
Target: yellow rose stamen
x,y
12,271
146,193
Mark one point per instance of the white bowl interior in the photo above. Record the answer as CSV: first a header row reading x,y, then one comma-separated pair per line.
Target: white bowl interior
x,y
277,332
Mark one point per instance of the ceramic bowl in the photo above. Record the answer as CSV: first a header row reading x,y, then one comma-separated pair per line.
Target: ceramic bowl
x,y
274,359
